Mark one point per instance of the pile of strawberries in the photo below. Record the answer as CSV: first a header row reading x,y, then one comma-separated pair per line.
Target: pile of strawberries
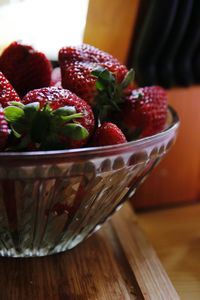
x,y
90,100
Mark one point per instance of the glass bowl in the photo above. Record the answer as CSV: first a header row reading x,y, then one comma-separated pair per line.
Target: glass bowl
x,y
51,201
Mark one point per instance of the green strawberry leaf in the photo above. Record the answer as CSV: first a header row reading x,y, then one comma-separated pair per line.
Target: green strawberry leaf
x,y
46,107
107,76
71,117
129,78
104,78
16,133
65,111
97,71
100,86
25,141
20,126
30,110
31,107
13,113
16,103
40,127
115,105
75,131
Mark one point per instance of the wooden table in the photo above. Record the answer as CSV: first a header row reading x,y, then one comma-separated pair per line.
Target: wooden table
x,y
116,263
175,235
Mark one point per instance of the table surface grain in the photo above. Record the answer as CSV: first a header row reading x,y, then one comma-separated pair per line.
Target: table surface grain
x,y
115,263
175,235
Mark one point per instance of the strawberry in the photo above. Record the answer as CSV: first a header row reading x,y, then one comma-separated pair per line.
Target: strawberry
x,y
25,68
77,64
137,112
86,53
50,118
108,134
144,112
7,92
4,130
56,77
79,80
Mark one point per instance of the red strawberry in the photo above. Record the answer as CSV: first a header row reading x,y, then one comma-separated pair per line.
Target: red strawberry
x,y
49,118
74,114
79,79
77,64
108,134
87,53
56,77
4,131
7,93
25,68
144,112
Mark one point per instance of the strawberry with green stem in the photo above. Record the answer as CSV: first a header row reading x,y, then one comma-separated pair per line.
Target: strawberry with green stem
x,y
49,118
77,64
107,85
110,96
138,112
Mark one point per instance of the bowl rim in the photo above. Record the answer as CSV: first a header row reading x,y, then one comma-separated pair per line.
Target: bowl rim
x,y
101,151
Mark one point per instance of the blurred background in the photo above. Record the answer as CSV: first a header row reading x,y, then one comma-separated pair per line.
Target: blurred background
x,y
47,25
159,39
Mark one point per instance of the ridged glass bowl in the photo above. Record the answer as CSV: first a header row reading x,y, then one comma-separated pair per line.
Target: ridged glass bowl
x,y
51,201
